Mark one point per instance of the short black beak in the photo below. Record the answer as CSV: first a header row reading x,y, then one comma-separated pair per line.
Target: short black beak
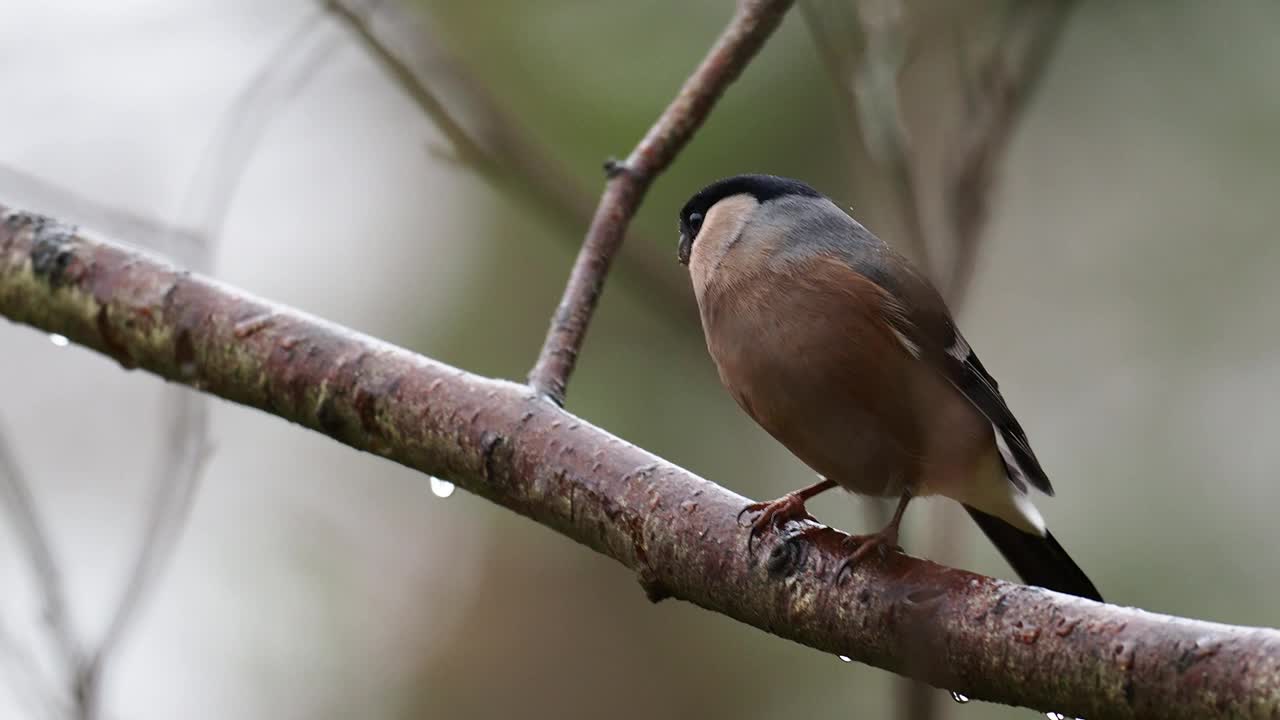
x,y
684,248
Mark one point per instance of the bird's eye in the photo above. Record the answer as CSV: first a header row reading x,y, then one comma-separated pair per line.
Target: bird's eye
x,y
695,222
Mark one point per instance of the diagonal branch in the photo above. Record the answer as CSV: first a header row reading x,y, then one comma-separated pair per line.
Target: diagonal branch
x,y
985,638
16,497
864,66
863,48
746,33
499,149
170,239
1005,85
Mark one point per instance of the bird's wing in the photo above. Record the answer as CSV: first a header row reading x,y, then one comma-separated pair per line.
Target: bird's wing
x,y
923,325
961,367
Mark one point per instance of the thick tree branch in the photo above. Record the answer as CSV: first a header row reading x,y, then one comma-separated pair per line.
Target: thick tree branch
x,y
986,638
747,31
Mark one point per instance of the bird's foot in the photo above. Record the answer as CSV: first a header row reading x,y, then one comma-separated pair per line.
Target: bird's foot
x,y
860,546
774,514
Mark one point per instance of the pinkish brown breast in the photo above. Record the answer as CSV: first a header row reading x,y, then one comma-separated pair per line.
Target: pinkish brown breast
x,y
803,349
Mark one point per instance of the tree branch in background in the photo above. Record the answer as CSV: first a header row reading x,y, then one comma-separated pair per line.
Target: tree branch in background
x,y
184,415
986,638
864,46
752,23
48,197
864,49
1005,84
497,148
33,538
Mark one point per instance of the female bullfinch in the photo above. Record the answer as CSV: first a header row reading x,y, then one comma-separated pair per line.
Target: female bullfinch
x,y
846,355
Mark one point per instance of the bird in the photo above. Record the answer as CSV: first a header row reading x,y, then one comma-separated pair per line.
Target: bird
x,y
849,357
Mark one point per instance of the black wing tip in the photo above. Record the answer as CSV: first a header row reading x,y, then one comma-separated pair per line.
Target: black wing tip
x,y
1026,461
985,395
1022,468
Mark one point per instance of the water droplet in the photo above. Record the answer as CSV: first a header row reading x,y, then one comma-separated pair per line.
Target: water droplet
x,y
59,340
1055,716
845,658
441,488
959,697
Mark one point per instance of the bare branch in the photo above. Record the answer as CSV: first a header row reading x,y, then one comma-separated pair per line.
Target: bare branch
x,y
500,150
1004,85
51,198
865,55
986,638
752,23
864,49
175,480
290,66
185,449
44,697
15,495
405,78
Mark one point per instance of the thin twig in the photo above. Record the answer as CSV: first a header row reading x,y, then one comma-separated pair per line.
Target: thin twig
x,y
282,75
358,22
51,198
44,696
863,48
989,639
177,477
752,23
175,480
499,150
1005,85
879,109
16,496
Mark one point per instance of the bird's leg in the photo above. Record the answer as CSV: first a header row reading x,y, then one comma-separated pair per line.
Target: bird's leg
x,y
884,540
788,507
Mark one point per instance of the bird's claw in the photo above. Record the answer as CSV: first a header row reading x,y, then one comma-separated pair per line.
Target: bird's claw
x,y
862,546
773,515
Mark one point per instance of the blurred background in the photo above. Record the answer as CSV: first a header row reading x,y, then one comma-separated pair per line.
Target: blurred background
x,y
1122,290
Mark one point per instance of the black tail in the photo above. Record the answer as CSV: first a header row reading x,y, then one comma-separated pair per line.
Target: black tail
x,y
1038,561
